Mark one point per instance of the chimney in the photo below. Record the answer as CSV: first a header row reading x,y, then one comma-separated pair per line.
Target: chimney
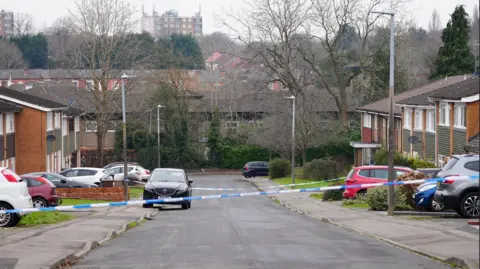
x,y
9,82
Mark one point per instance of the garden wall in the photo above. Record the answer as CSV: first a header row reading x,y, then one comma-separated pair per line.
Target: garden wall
x,y
114,194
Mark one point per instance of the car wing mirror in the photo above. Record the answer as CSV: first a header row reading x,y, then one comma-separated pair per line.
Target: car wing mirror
x,y
190,181
63,181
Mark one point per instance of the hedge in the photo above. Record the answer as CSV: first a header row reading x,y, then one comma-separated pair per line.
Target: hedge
x,y
381,158
321,169
235,157
279,168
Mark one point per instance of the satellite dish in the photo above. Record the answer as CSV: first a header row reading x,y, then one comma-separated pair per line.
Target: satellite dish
x,y
51,138
413,139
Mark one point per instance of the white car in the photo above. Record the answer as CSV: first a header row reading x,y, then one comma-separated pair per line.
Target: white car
x,y
13,195
135,173
89,175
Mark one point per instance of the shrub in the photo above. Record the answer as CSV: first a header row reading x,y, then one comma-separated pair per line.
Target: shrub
x,y
419,163
234,157
409,189
279,168
333,195
320,169
377,199
381,158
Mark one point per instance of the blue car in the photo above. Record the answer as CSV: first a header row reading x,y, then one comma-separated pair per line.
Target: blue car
x,y
423,197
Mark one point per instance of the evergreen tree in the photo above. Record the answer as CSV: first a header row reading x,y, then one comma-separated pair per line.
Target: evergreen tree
x,y
34,49
455,57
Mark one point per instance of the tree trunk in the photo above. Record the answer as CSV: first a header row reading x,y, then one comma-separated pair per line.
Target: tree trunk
x,y
344,111
100,152
304,155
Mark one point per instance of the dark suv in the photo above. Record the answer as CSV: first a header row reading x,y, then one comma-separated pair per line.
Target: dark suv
x,y
253,169
460,194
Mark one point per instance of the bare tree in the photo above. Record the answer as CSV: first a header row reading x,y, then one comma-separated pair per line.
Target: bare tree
x,y
10,56
434,41
343,29
23,24
217,42
59,37
100,27
435,24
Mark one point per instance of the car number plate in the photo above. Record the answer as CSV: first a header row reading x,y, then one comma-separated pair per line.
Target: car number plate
x,y
163,197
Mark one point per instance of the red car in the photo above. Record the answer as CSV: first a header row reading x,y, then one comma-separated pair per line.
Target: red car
x,y
43,192
369,174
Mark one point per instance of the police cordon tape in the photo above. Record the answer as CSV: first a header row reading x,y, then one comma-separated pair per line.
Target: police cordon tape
x,y
271,187
230,195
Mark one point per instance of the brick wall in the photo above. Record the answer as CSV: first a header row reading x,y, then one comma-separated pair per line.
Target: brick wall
x,y
473,122
366,135
114,194
30,141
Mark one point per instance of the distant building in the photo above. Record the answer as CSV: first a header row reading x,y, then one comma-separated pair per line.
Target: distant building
x,y
6,23
169,23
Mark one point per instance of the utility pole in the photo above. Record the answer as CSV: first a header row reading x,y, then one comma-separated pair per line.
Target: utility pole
x,y
158,136
391,119
293,138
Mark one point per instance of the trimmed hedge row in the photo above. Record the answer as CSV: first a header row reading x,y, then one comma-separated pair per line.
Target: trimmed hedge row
x,y
235,157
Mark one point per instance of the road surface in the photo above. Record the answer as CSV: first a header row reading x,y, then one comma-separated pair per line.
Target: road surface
x,y
245,232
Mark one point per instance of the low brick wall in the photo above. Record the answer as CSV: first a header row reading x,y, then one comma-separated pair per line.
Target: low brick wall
x,y
108,194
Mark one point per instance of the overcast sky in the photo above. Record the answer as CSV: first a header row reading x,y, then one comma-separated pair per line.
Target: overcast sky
x,y
45,12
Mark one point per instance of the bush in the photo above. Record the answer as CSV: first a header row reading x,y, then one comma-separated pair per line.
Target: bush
x,y
409,189
321,169
333,195
377,199
279,168
419,163
381,158
234,157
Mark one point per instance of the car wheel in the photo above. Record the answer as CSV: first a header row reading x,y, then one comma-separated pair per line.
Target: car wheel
x,y
470,205
8,219
147,205
39,202
185,206
434,206
189,204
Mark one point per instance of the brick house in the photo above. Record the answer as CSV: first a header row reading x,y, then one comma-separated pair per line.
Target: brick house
x,y
38,132
374,122
7,133
441,122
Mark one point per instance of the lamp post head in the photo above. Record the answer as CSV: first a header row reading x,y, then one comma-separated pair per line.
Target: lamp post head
x,y
126,76
290,97
160,106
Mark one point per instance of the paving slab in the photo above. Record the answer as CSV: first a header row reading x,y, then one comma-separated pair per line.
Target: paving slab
x,y
449,240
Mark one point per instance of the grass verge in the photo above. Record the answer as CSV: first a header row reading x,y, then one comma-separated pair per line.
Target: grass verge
x,y
71,201
136,192
355,203
43,218
288,180
318,196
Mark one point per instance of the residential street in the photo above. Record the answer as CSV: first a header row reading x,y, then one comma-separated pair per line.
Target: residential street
x,y
246,232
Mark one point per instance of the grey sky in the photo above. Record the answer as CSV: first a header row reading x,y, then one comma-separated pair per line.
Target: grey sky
x,y
45,12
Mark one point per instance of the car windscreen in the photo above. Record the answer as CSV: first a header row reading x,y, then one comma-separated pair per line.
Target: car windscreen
x,y
167,176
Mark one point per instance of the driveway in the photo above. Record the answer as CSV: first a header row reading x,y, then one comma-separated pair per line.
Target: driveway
x,y
245,232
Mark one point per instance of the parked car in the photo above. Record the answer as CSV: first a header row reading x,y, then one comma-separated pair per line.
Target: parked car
x,y
60,181
253,169
168,183
110,165
42,191
13,195
369,174
462,195
89,175
135,173
423,197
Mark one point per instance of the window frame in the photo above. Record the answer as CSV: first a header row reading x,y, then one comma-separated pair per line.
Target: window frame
x,y
57,120
445,113
77,124
407,119
460,123
9,123
418,123
367,120
1,123
64,127
431,122
49,121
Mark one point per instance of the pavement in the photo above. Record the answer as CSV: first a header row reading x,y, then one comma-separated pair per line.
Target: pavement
x,y
447,239
54,246
245,232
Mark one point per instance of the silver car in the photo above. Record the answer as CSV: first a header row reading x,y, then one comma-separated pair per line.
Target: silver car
x,y
116,173
462,195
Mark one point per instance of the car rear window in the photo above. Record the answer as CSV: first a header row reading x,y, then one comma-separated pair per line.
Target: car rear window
x,y
450,164
364,173
475,166
350,174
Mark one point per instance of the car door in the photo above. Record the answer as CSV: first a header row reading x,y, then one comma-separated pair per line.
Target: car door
x,y
57,181
85,175
264,168
379,174
32,184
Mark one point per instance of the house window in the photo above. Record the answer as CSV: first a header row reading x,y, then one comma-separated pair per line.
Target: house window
x,y
91,126
115,85
49,121
10,123
90,85
77,124
232,124
375,118
75,83
459,117
1,124
58,116
444,115
418,119
367,120
71,125
407,119
65,127
431,124
111,126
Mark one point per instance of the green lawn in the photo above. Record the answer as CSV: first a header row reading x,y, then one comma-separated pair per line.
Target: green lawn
x,y
288,180
42,218
136,192
68,201
357,205
318,196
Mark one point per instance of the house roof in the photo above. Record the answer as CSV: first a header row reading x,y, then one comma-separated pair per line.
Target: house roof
x,y
6,106
382,106
29,100
456,91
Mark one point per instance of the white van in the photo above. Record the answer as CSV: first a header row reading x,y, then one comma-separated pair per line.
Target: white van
x,y
13,195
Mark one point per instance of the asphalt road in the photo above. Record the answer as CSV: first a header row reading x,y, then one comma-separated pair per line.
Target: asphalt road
x,y
245,232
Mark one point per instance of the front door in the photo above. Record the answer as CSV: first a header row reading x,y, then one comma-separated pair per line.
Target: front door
x,y
73,160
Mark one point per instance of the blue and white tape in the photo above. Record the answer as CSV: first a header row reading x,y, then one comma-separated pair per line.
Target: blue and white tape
x,y
228,195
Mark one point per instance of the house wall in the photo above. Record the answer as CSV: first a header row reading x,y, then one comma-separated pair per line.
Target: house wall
x,y
473,122
406,144
30,142
418,147
430,146
443,133
459,140
89,139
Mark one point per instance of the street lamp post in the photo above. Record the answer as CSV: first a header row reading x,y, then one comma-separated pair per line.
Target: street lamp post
x,y
158,135
391,173
293,137
124,129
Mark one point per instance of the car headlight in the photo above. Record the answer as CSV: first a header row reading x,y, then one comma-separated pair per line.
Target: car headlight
x,y
427,187
182,188
148,188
